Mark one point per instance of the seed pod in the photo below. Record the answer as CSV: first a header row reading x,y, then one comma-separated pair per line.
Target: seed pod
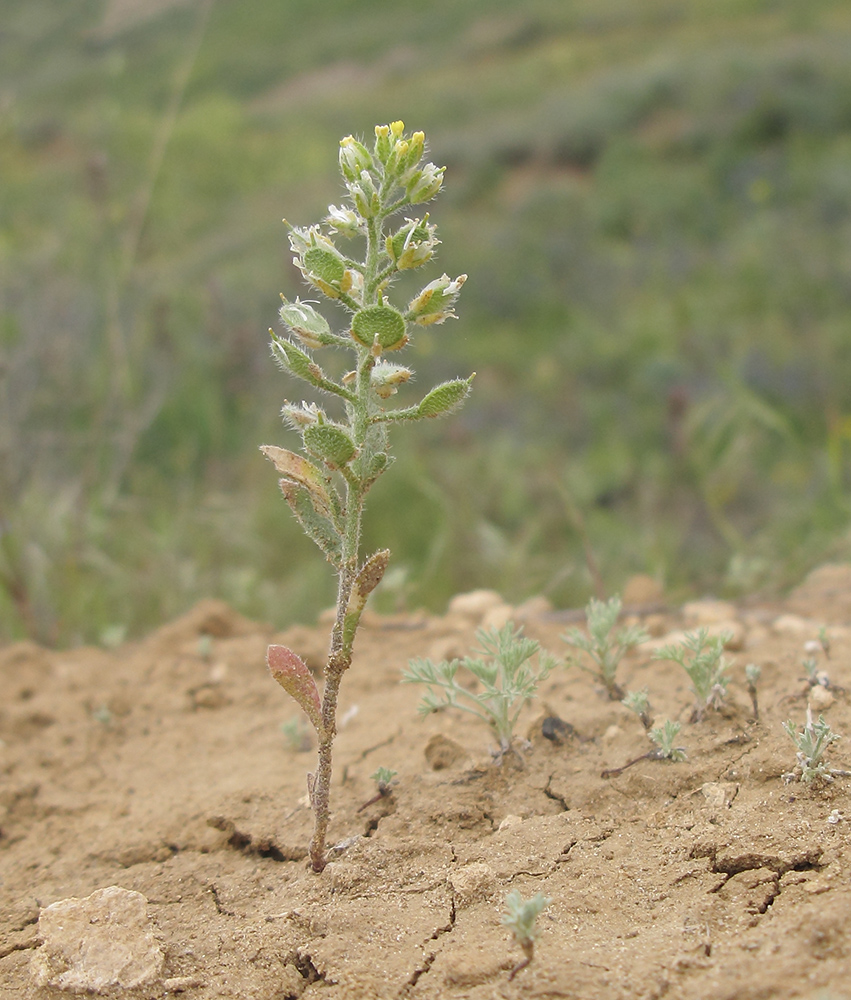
x,y
324,264
330,444
445,398
382,325
307,324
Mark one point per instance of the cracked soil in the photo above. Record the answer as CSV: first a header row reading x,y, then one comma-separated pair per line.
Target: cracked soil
x,y
161,767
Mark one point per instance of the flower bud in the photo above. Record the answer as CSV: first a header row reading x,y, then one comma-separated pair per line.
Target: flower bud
x,y
385,378
354,158
380,325
382,142
343,221
435,301
364,195
416,148
306,323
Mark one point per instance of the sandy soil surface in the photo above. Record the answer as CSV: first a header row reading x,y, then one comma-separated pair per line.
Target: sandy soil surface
x,y
161,767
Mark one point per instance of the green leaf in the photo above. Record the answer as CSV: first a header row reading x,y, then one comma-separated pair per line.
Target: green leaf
x,y
315,524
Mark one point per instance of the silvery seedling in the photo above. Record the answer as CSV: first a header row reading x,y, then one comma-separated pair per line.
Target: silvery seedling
x,y
811,745
701,656
520,918
605,647
345,448
505,678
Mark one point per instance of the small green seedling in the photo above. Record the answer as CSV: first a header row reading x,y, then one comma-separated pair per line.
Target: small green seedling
x,y
383,779
752,675
811,745
815,677
346,448
701,656
521,917
639,702
663,736
604,647
506,679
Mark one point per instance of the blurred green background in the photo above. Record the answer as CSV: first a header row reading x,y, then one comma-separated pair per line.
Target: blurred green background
x,y
652,200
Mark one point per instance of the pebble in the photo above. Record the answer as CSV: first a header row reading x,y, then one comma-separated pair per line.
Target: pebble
x,y
97,943
642,589
475,604
709,612
820,699
472,882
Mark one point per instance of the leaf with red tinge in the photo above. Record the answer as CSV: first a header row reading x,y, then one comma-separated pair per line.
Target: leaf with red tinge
x,y
291,672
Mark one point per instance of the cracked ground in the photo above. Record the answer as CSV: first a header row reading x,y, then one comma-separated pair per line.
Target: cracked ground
x,y
162,767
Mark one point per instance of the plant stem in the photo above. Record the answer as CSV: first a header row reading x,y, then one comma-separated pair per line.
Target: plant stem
x,y
340,654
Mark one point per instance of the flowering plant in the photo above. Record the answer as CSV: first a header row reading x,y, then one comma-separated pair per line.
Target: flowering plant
x,y
344,453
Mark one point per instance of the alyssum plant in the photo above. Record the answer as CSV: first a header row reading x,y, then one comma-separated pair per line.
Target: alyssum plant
x,y
345,452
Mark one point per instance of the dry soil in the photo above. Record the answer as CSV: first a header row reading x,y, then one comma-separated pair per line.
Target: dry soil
x,y
162,767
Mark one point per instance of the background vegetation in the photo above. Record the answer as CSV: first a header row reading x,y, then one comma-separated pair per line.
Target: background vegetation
x,y
653,203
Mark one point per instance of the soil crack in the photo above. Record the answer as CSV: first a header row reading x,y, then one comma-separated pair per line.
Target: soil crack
x,y
428,961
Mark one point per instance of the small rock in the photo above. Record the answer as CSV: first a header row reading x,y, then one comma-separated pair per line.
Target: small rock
x,y
794,625
497,617
93,944
612,734
719,793
556,730
708,612
474,605
534,607
820,699
472,882
509,821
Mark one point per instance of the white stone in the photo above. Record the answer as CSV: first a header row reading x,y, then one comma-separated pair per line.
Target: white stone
x,y
475,604
95,944
708,612
498,616
794,625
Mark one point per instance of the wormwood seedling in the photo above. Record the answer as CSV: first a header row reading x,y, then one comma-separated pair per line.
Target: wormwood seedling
x,y
521,917
383,779
702,659
506,680
663,736
345,452
604,647
639,702
811,745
